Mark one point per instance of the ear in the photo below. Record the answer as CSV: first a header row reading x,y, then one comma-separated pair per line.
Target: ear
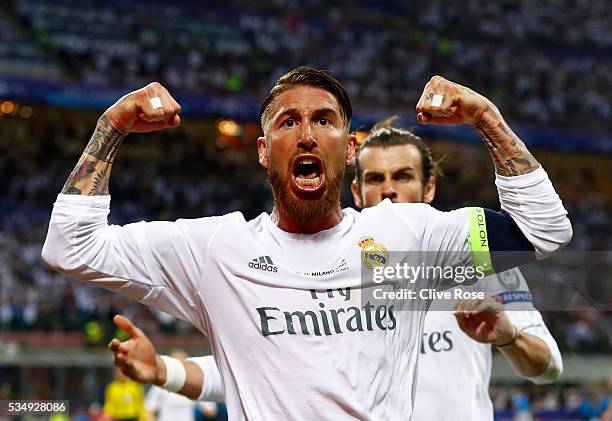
x,y
429,190
350,149
262,151
356,194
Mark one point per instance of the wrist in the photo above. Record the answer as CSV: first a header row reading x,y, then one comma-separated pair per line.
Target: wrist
x,y
515,335
161,377
488,117
105,121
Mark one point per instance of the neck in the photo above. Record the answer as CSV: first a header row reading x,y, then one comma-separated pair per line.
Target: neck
x,y
301,226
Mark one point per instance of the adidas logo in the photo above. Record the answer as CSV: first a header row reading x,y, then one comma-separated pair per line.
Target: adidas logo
x,y
263,263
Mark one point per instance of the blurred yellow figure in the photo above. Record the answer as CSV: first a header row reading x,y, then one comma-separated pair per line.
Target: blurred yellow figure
x,y
124,399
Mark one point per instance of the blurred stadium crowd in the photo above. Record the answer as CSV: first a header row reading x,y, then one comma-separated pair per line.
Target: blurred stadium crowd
x,y
550,403
544,62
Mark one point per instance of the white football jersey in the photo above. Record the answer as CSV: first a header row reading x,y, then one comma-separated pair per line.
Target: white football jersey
x,y
454,370
290,338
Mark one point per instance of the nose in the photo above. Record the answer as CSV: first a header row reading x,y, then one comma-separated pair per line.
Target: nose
x,y
307,141
388,191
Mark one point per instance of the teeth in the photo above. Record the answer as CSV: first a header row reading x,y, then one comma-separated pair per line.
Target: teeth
x,y
307,161
309,181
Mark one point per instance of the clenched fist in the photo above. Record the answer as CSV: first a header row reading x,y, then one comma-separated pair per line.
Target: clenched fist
x,y
145,110
446,102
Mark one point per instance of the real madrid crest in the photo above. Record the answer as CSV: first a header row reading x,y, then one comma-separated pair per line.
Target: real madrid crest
x,y
373,254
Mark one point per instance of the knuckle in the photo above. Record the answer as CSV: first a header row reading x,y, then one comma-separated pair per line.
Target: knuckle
x,y
141,94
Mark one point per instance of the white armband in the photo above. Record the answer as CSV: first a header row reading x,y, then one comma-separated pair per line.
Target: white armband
x,y
175,374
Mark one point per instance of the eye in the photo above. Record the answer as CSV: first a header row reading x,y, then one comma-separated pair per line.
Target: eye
x,y
374,179
323,121
403,177
289,122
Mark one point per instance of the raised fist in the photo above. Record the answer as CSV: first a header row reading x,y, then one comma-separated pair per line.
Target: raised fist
x,y
145,110
446,102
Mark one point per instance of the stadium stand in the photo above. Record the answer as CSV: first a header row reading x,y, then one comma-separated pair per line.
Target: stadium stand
x,y
529,58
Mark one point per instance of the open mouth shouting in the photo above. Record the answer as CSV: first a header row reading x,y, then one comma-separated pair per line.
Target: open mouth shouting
x,y
307,174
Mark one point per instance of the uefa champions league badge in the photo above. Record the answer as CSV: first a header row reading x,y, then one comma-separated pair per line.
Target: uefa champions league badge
x,y
373,254
509,279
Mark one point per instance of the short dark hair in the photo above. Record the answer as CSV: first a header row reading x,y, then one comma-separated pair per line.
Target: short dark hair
x,y
384,135
307,76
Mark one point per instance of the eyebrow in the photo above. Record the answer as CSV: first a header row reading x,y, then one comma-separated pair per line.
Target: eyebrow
x,y
402,169
288,111
325,111
319,111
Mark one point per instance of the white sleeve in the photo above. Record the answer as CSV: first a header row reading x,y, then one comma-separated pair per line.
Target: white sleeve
x,y
212,389
511,289
153,263
531,322
508,288
535,206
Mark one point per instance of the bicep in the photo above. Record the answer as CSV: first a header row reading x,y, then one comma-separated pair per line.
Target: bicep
x,y
496,242
487,240
508,245
149,262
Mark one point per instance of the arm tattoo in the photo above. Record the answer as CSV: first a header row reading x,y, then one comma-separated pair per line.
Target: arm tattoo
x,y
83,169
105,141
91,175
509,153
99,187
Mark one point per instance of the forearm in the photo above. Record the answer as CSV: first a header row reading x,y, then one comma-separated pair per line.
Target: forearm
x,y
91,175
526,193
529,355
509,153
194,378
